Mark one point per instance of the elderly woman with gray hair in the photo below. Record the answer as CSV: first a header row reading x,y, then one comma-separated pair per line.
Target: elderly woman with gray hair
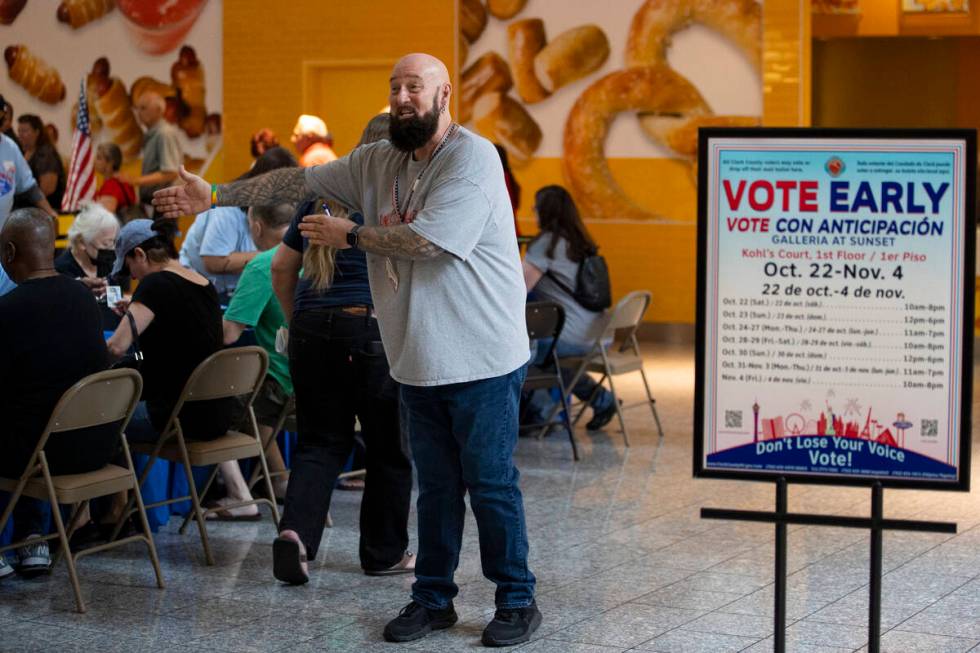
x,y
90,254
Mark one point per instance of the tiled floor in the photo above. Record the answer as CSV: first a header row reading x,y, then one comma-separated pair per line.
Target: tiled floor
x,y
622,558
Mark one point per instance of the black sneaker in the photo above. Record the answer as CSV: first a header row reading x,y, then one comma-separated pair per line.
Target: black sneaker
x,y
602,417
512,626
415,621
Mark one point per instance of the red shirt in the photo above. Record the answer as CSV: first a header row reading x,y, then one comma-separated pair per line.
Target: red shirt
x,y
124,193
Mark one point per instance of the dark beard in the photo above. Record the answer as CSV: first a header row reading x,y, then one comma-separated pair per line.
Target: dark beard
x,y
409,134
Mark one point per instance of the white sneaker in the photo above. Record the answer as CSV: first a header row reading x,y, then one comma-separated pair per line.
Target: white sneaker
x,y
35,559
5,568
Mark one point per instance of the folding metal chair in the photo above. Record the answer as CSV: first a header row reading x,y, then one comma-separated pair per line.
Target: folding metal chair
x,y
546,320
227,373
622,357
101,398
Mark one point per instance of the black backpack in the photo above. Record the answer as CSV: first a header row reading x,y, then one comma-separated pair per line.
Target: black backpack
x,y
592,290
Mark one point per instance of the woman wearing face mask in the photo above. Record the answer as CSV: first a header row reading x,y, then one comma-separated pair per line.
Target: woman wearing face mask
x,y
90,253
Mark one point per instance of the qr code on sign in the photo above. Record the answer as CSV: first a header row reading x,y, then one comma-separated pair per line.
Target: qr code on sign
x,y
733,419
930,428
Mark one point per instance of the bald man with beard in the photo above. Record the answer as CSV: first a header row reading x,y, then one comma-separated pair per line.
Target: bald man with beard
x,y
51,335
449,293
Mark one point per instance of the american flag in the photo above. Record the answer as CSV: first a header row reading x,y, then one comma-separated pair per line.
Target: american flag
x,y
81,176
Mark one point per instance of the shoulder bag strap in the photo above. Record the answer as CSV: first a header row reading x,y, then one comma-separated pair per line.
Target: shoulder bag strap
x,y
137,352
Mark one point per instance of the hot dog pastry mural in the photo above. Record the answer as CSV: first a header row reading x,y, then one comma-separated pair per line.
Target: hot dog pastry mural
x,y
587,83
121,49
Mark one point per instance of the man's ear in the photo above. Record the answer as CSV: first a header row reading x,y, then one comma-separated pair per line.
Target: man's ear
x,y
446,92
9,251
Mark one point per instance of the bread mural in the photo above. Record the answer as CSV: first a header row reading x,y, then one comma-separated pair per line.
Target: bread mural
x,y
573,81
121,49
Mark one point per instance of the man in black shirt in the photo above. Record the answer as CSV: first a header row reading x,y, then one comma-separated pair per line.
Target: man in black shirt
x,y
51,335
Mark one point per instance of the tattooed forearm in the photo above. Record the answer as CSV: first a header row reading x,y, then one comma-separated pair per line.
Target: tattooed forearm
x,y
273,187
397,242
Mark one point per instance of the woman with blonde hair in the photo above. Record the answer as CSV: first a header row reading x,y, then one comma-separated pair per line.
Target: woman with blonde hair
x,y
318,260
339,372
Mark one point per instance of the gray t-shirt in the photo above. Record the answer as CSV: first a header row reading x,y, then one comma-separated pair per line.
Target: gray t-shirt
x,y
581,325
459,316
161,151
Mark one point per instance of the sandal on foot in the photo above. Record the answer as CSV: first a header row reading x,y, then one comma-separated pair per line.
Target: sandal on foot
x,y
404,566
232,514
287,561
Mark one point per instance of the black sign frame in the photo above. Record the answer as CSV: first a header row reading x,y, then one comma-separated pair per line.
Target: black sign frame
x,y
969,137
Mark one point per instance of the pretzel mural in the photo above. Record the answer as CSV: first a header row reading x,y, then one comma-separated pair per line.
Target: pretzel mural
x,y
669,108
651,31
652,88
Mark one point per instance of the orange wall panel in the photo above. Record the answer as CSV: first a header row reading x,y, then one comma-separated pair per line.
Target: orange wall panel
x,y
266,45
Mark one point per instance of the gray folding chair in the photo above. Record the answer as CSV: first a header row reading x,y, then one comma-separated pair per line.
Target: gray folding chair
x,y
101,398
227,373
546,320
622,357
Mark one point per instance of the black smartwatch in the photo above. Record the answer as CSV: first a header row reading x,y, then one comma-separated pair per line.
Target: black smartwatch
x,y
352,236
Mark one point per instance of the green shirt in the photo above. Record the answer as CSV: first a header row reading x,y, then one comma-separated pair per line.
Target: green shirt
x,y
255,305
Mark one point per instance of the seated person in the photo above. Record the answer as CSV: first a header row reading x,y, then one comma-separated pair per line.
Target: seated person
x,y
90,254
255,305
115,194
41,155
556,254
52,335
226,248
178,322
219,244
262,141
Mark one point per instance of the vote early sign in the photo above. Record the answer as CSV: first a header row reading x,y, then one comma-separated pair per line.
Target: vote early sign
x,y
835,305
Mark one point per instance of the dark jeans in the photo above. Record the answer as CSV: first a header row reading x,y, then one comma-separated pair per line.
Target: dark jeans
x,y
540,402
339,370
463,437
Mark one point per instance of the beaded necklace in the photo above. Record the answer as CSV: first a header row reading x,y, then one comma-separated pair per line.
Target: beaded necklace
x,y
394,187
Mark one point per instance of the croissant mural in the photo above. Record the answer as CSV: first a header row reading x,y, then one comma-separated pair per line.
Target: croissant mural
x,y
121,49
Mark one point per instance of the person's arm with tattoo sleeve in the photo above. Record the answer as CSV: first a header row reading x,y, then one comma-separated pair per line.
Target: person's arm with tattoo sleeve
x,y
273,187
399,241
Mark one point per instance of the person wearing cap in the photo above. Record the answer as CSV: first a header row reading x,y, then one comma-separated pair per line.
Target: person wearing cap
x,y
313,142
52,330
177,323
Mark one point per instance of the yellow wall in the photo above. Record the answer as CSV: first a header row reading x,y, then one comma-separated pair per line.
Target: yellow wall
x,y
266,45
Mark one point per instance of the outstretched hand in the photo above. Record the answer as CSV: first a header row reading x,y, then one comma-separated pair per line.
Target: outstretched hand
x,y
193,196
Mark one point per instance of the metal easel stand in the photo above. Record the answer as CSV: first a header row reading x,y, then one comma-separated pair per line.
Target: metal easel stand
x,y
877,524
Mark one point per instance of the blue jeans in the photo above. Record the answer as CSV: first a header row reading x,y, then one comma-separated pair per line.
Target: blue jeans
x,y
463,437
540,401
